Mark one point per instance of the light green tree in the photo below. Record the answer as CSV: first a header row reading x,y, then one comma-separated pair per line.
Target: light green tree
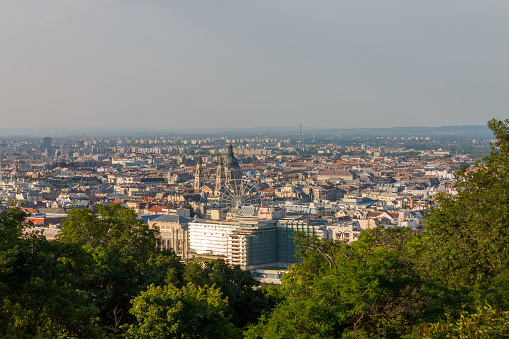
x,y
188,312
484,322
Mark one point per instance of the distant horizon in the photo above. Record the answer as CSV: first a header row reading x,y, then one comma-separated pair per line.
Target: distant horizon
x,y
283,130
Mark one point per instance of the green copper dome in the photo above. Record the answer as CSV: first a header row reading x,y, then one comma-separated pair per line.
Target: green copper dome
x,y
230,161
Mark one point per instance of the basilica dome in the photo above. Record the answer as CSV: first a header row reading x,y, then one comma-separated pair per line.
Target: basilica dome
x,y
230,161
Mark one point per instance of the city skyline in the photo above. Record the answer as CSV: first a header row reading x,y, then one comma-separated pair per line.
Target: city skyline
x,y
187,65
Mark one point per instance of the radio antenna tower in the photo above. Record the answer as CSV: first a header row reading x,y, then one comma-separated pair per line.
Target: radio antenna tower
x,y
300,134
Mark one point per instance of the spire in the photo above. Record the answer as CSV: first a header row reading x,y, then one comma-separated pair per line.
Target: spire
x,y
220,176
198,176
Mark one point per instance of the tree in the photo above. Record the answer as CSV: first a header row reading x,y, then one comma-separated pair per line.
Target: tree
x,y
127,258
367,289
468,234
245,302
12,225
188,312
114,227
484,322
42,293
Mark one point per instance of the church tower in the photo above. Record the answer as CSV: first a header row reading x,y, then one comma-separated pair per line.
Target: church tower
x,y
198,175
228,169
220,177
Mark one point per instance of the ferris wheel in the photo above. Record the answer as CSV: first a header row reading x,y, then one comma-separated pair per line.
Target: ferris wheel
x,y
236,193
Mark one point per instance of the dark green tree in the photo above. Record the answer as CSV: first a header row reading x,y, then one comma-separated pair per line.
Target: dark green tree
x,y
127,258
245,301
42,290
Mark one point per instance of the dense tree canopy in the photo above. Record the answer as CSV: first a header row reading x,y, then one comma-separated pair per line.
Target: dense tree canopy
x,y
127,258
245,303
369,288
189,312
468,236
42,293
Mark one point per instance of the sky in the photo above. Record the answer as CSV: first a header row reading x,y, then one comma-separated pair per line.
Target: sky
x,y
236,64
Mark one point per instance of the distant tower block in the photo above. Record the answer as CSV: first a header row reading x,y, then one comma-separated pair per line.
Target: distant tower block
x,y
46,143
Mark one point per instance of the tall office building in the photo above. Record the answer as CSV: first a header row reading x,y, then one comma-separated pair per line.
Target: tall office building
x,y
46,146
46,143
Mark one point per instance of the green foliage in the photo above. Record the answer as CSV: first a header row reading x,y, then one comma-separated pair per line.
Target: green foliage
x,y
41,287
85,283
245,302
369,288
388,282
127,258
189,312
12,226
113,227
485,322
468,234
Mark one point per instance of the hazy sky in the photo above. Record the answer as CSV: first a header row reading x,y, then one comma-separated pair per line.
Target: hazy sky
x,y
195,63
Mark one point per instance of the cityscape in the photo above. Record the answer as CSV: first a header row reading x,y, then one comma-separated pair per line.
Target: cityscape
x,y
254,169
238,199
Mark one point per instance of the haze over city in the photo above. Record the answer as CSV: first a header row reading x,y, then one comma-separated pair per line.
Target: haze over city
x,y
198,64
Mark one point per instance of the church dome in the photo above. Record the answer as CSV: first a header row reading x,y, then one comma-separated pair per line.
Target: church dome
x,y
230,161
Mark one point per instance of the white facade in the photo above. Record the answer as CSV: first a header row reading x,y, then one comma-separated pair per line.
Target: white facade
x,y
348,231
209,238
